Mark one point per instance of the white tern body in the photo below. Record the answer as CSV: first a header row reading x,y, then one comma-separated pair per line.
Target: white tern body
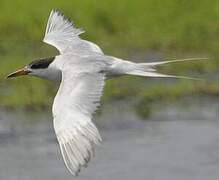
x,y
82,69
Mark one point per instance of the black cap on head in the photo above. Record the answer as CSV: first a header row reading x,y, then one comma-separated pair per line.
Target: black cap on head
x,y
41,63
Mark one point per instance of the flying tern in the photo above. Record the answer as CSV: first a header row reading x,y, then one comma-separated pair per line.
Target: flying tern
x,y
82,69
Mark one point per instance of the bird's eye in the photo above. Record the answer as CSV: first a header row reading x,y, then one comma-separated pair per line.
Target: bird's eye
x,y
37,65
33,66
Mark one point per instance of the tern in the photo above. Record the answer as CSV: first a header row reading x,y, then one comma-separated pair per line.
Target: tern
x,y
81,68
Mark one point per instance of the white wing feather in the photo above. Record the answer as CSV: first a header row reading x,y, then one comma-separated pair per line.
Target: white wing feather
x,y
77,99
62,33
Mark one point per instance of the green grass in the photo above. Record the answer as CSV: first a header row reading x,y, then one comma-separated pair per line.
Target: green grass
x,y
128,29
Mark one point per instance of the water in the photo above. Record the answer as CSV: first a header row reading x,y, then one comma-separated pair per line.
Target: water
x,y
177,142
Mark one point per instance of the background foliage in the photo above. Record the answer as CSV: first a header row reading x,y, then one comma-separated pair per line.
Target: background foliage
x,y
141,30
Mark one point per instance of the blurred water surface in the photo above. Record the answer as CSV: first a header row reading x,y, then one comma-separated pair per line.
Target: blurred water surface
x,y
179,141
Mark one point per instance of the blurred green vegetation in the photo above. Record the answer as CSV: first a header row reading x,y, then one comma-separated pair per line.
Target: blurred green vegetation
x,y
141,30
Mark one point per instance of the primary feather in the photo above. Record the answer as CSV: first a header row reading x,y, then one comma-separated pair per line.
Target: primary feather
x,y
62,33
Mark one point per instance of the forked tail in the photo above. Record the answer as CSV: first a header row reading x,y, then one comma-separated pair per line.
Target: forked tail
x,y
149,69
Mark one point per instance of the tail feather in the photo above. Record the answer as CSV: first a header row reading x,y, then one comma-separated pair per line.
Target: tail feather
x,y
159,75
151,64
149,69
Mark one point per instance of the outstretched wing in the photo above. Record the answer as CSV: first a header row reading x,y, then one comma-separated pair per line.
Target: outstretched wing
x,y
77,99
62,33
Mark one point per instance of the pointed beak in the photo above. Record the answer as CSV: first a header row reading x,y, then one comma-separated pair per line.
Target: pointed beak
x,y
20,72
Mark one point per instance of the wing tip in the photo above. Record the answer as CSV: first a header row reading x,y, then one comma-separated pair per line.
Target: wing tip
x,y
78,147
74,159
59,13
60,29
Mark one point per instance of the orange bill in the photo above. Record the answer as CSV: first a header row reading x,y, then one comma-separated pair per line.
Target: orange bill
x,y
19,72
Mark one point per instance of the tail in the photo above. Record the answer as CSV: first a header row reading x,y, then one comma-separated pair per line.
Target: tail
x,y
149,69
